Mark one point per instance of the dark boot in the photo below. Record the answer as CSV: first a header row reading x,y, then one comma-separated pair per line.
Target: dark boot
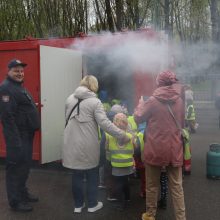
x,y
30,198
120,206
22,207
187,173
162,204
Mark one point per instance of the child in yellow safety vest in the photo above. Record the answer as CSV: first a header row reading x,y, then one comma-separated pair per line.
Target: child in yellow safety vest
x,y
106,177
121,157
139,165
191,117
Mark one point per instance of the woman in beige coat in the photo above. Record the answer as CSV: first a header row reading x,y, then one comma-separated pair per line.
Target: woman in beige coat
x,y
81,148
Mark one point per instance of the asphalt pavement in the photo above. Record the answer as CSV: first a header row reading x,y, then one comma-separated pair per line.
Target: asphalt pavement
x,y
52,184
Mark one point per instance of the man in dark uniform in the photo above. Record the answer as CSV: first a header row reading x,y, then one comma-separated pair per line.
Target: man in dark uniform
x,y
20,120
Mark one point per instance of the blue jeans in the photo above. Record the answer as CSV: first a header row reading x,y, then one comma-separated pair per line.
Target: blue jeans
x,y
92,179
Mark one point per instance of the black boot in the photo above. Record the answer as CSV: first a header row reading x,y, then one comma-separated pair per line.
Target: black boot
x,y
162,204
22,207
30,198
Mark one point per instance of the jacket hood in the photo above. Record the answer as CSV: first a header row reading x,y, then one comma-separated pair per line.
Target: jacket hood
x,y
166,78
166,94
83,93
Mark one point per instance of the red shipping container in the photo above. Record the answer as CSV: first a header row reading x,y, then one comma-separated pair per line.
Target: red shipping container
x,y
52,74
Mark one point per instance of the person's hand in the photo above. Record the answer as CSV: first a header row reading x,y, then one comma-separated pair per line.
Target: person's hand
x,y
124,140
141,100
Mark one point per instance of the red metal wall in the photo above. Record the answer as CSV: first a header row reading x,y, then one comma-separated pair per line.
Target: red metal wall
x,y
144,85
28,52
29,56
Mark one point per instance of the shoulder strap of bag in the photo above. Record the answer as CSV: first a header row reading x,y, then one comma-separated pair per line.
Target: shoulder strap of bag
x,y
177,123
76,105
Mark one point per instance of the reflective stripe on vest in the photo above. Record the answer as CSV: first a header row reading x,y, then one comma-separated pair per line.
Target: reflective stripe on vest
x,y
122,151
121,156
115,160
193,115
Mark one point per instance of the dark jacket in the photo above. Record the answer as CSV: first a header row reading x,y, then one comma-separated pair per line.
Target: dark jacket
x,y
18,111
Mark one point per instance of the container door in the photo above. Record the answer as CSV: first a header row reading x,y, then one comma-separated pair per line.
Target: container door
x,y
60,74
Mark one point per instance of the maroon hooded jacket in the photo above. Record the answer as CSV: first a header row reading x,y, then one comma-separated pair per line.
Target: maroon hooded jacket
x,y
163,145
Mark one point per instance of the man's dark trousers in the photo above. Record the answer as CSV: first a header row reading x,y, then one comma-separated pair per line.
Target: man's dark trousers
x,y
17,173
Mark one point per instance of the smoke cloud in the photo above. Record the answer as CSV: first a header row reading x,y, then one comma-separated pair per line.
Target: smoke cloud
x,y
147,52
127,51
198,59
114,58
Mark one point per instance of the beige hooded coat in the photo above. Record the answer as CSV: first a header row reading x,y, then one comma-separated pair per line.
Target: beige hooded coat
x,y
81,148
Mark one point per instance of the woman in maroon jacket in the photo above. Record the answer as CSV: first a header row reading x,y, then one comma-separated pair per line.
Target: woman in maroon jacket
x,y
163,146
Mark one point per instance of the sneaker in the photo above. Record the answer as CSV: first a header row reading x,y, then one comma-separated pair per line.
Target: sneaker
x,y
146,216
79,210
111,199
96,208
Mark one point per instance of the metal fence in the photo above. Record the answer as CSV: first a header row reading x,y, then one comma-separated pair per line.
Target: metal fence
x,y
207,91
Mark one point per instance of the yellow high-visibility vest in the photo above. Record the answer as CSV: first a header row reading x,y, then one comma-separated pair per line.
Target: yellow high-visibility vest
x,y
106,106
121,156
193,114
141,139
115,102
132,123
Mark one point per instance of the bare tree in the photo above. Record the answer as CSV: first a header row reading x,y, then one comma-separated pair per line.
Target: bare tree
x,y
215,18
189,20
119,14
109,16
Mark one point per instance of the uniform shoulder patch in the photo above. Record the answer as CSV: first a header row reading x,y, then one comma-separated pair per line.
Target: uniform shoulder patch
x,y
5,98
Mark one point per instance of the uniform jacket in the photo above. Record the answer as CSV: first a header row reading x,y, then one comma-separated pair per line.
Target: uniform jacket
x,y
81,148
18,112
163,144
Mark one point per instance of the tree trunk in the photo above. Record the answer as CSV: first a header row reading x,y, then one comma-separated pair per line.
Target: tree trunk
x,y
167,15
171,19
99,15
119,14
137,14
109,16
215,21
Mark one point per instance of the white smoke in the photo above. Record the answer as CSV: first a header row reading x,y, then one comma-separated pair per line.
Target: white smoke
x,y
134,51
114,58
198,59
138,52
